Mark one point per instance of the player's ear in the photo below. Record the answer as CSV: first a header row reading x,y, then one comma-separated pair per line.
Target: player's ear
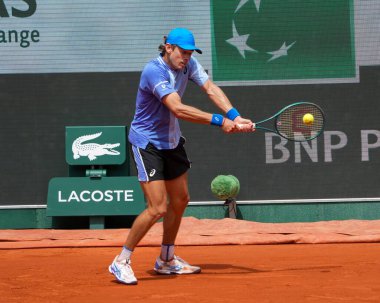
x,y
169,48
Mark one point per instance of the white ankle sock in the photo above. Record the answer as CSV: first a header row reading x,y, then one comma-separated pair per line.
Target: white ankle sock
x,y
125,254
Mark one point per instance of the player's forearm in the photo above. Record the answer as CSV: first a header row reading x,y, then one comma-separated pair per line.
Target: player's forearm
x,y
217,96
192,114
185,112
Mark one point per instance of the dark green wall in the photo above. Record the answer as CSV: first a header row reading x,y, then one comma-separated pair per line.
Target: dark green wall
x,y
36,108
269,213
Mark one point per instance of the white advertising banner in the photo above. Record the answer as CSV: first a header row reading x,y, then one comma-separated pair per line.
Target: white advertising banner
x,y
44,36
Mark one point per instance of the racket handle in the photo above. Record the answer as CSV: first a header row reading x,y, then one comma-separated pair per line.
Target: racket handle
x,y
240,126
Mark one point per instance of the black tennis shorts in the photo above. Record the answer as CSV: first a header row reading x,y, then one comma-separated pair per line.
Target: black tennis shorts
x,y
166,164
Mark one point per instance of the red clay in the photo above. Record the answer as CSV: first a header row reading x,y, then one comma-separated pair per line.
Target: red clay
x,y
235,273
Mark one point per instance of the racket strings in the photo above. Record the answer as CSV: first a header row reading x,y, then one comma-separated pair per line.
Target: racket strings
x,y
290,122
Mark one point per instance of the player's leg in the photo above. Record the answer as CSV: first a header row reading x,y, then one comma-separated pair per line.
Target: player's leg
x,y
150,169
176,181
178,194
156,197
177,164
167,262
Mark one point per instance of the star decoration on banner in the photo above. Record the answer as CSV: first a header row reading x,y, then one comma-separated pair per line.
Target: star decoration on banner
x,y
242,2
240,41
282,51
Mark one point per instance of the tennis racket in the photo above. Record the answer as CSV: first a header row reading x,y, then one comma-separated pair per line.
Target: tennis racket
x,y
300,121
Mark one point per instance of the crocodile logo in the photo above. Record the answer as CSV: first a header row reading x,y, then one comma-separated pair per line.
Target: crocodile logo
x,y
92,150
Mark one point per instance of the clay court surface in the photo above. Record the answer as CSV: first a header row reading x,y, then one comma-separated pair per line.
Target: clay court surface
x,y
233,273
335,261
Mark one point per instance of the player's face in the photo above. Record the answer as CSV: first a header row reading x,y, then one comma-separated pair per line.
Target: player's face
x,y
178,57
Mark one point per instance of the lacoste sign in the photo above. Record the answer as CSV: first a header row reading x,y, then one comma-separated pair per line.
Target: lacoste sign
x,y
119,195
83,196
92,150
95,145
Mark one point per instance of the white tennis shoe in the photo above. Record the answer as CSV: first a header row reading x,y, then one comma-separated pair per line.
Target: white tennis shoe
x,y
177,266
122,271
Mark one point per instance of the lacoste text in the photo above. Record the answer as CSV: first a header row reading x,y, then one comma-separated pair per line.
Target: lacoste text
x,y
96,196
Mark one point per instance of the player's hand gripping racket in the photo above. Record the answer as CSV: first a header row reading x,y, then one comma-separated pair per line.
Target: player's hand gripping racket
x,y
300,121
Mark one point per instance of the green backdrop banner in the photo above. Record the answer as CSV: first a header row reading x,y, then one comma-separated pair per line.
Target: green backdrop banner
x,y
282,40
76,196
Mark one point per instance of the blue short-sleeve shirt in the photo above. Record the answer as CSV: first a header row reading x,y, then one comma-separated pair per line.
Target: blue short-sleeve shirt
x,y
153,122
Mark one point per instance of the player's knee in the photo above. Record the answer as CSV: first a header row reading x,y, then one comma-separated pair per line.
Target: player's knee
x,y
157,212
185,199
180,204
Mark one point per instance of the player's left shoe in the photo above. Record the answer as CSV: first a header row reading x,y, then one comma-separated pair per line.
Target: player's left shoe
x,y
177,266
123,272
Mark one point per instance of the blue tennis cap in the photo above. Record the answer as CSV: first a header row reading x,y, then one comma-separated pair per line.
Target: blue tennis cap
x,y
183,38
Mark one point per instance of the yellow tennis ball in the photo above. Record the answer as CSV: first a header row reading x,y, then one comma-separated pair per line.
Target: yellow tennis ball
x,y
308,119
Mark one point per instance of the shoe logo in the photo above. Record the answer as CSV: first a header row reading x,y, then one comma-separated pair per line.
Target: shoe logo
x,y
152,172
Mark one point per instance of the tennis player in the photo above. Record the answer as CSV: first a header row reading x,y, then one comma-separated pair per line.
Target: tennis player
x,y
158,147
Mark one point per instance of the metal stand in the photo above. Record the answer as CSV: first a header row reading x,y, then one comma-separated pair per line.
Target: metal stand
x,y
232,208
96,222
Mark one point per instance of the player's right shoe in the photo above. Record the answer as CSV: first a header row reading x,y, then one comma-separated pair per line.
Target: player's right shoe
x,y
177,266
122,271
